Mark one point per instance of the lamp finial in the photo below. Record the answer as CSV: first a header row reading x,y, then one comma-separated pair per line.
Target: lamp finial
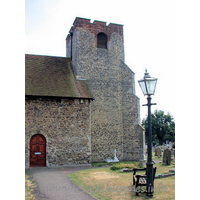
x,y
146,74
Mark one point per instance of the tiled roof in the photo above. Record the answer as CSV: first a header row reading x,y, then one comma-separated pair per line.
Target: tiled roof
x,y
53,76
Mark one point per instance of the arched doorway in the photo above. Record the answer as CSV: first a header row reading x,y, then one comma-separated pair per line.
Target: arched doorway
x,y
38,151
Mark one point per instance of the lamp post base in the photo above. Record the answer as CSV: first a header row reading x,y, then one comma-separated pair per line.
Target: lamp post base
x,y
150,185
149,195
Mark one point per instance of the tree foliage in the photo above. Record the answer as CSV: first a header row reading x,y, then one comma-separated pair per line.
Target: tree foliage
x,y
163,127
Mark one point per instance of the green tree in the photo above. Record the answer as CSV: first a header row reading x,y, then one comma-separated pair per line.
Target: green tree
x,y
163,127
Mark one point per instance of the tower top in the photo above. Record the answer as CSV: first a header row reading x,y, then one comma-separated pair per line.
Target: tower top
x,y
97,26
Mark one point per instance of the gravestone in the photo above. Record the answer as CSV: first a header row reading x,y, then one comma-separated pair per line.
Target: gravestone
x,y
167,157
159,152
156,152
170,145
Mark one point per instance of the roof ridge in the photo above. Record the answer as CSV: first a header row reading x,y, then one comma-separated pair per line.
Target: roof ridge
x,y
68,58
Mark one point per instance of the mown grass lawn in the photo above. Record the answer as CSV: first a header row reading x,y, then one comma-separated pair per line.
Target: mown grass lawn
x,y
104,184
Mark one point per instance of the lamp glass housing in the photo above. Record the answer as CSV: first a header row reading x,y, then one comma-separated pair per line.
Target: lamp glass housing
x,y
148,84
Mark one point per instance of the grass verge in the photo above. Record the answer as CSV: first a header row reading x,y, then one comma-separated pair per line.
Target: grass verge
x,y
105,184
28,184
118,165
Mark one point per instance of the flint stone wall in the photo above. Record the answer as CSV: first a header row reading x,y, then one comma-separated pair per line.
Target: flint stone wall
x,y
115,114
65,123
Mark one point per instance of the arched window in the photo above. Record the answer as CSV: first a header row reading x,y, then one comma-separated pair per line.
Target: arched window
x,y
102,41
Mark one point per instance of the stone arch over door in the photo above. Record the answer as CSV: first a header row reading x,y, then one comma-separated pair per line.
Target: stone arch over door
x,y
38,151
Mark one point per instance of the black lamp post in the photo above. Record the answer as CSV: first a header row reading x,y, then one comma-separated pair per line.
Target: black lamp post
x,y
148,86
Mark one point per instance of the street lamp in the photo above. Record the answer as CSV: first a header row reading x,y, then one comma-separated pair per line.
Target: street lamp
x,y
148,86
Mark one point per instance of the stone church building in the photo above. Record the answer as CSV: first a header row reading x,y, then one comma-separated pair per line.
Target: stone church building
x,y
80,108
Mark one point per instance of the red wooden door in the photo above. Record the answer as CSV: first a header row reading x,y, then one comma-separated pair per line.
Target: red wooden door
x,y
38,151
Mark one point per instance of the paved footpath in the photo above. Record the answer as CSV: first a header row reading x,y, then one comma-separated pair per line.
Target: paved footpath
x,y
53,184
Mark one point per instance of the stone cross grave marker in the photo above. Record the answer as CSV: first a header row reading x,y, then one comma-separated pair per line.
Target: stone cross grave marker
x,y
115,158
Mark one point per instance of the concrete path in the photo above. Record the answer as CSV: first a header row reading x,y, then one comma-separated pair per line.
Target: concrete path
x,y
53,184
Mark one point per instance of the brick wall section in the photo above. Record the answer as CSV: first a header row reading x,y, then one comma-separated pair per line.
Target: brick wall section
x,y
115,112
94,28
65,123
98,26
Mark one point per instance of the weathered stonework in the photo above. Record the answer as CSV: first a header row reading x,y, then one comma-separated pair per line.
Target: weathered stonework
x,y
115,114
65,123
59,101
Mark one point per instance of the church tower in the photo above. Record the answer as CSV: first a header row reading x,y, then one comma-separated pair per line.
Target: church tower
x,y
97,55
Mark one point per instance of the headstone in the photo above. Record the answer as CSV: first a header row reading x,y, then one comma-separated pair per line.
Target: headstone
x,y
156,152
170,145
167,157
159,152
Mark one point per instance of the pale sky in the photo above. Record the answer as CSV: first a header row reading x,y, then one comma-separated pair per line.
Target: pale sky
x,y
158,35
